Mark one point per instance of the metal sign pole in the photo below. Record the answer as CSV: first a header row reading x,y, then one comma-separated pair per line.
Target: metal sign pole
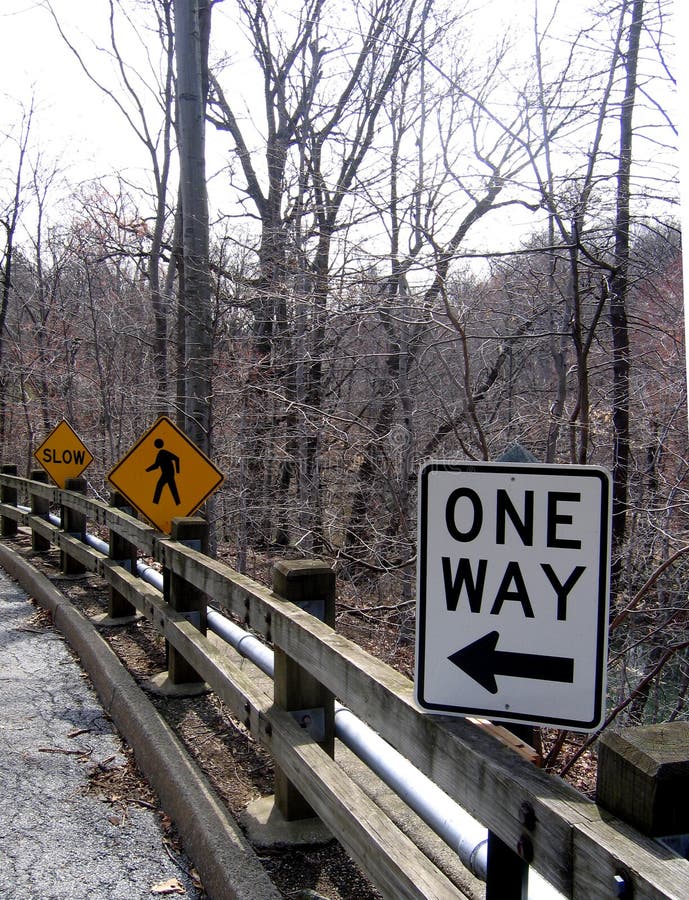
x,y
507,872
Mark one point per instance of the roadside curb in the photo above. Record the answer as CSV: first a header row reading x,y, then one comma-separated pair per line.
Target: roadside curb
x,y
226,862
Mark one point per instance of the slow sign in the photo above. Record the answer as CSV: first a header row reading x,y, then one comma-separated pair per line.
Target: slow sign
x,y
513,581
63,454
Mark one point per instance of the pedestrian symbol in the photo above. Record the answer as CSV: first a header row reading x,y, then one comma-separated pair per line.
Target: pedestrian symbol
x,y
165,475
168,464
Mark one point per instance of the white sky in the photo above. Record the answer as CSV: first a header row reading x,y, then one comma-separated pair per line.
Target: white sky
x,y
76,124
34,59
74,119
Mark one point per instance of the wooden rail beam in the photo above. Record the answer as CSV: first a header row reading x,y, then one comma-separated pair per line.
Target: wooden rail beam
x,y
390,859
488,780
87,558
18,516
127,526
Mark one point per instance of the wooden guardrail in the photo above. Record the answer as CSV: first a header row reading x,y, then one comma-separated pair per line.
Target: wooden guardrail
x,y
581,849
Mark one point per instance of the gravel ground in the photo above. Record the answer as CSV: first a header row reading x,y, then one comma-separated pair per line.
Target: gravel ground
x,y
237,767
76,820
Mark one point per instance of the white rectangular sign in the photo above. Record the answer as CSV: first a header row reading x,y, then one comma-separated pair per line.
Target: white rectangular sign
x,y
513,585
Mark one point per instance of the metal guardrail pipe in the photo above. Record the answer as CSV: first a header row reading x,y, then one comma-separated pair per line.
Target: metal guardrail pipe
x,y
243,642
446,818
456,827
91,540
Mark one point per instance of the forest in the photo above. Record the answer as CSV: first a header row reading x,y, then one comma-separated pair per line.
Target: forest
x,y
370,233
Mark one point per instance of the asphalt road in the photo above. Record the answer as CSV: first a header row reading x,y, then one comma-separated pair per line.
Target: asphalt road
x,y
57,841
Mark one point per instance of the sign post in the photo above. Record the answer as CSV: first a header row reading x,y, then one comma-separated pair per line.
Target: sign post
x,y
513,582
165,475
63,454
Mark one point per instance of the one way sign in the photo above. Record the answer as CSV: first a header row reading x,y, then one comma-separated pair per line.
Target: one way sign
x,y
513,584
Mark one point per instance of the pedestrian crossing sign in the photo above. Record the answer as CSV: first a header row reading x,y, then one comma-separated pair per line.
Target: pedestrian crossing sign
x,y
165,475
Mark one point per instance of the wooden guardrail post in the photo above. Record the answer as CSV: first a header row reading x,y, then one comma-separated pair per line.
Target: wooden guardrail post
x,y
309,584
73,523
187,600
39,507
123,552
643,777
8,495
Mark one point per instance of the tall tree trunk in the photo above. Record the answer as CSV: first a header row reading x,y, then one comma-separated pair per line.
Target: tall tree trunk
x,y
192,27
9,223
618,290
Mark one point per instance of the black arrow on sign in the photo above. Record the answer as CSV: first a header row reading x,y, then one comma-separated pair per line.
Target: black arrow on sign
x,y
482,662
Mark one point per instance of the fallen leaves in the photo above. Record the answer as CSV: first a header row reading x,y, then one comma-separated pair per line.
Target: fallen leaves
x,y
169,886
39,621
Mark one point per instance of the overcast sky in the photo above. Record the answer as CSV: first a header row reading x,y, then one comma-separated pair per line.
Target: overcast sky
x,y
34,61
77,125
73,118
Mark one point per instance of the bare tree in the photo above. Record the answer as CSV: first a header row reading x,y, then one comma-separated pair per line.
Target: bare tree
x,y
618,284
9,219
321,123
145,100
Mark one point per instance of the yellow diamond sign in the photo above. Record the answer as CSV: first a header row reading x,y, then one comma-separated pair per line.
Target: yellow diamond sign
x,y
62,454
165,475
